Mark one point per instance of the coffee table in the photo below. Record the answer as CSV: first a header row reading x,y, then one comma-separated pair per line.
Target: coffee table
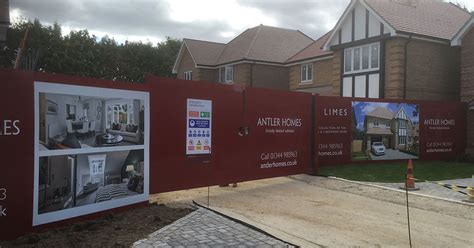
x,y
108,139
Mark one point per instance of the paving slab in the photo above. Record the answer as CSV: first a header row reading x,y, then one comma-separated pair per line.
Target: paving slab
x,y
204,228
391,154
436,190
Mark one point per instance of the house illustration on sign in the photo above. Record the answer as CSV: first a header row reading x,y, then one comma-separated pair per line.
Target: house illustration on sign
x,y
394,125
393,130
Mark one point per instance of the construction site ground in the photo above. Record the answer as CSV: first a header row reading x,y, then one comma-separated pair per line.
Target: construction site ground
x,y
316,211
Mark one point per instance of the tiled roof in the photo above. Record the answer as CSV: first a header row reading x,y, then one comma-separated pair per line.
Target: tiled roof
x,y
457,39
265,43
204,52
380,112
4,12
261,43
433,18
314,50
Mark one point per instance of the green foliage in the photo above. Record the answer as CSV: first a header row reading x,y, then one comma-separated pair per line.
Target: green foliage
x,y
394,172
80,53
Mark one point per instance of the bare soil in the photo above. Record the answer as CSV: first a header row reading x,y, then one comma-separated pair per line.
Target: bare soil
x,y
320,212
114,230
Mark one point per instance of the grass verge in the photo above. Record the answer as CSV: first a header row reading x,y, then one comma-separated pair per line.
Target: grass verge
x,y
395,172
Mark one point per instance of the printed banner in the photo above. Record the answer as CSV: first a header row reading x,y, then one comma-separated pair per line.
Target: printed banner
x,y
385,131
90,150
348,130
198,127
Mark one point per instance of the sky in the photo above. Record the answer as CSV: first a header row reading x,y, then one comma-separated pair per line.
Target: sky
x,y
362,108
213,20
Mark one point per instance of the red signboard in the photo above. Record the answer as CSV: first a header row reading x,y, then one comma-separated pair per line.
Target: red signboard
x,y
442,130
333,130
247,141
67,141
279,132
350,130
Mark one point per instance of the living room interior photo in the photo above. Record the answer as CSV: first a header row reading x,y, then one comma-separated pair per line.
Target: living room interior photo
x,y
69,181
71,121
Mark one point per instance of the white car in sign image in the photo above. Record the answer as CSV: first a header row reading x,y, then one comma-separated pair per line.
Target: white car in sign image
x,y
378,148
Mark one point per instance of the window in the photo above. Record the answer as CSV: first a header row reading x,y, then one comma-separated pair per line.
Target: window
x,y
402,140
374,56
402,124
188,75
226,74
306,73
222,74
356,59
348,60
119,113
376,123
365,58
387,124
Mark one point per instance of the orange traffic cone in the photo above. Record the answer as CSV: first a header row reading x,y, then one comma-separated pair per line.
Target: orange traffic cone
x,y
410,179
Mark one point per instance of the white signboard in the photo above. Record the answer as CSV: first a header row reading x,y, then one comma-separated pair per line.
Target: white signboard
x,y
198,127
88,175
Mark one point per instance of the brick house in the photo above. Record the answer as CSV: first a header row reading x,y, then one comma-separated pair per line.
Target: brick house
x,y
396,49
311,69
465,40
394,130
255,58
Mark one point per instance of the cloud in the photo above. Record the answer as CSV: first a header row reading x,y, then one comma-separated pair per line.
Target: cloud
x,y
154,20
312,17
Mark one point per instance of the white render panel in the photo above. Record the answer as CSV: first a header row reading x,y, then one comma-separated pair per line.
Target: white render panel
x,y
374,86
402,114
346,30
374,26
359,22
386,30
335,39
347,86
359,88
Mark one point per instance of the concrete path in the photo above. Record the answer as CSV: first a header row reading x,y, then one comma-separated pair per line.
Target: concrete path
x,y
204,228
431,189
315,212
392,154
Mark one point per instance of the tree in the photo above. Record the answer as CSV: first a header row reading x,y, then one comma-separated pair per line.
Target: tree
x,y
168,50
83,54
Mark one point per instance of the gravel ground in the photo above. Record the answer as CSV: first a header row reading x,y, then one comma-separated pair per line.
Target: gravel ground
x,y
316,212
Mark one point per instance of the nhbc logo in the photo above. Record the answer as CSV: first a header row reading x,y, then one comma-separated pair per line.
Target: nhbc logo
x,y
9,127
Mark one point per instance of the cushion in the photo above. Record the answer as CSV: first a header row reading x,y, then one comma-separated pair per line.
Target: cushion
x,y
115,126
131,128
